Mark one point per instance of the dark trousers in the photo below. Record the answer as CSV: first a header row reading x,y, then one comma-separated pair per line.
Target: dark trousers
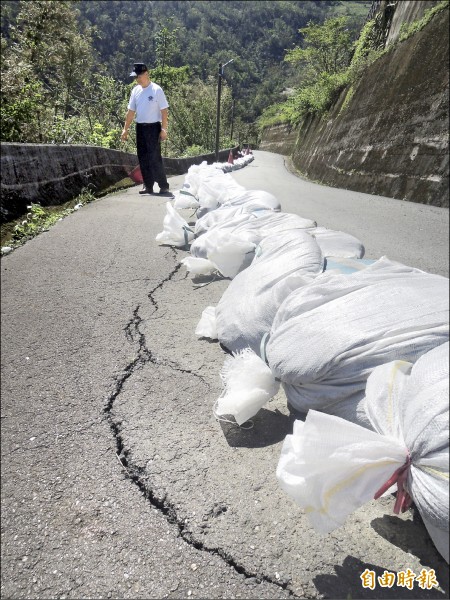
x,y
149,155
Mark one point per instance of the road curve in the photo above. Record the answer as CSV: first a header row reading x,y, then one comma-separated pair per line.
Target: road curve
x,y
117,481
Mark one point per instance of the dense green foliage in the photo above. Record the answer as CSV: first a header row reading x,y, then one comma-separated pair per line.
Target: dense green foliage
x,y
407,30
334,63
326,55
254,33
65,65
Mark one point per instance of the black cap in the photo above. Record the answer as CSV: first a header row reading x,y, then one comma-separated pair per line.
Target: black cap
x,y
138,69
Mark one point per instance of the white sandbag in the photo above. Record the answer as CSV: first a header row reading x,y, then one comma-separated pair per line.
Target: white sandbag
x,y
224,213
176,231
206,327
261,196
231,256
250,227
198,266
248,306
230,253
185,200
216,188
193,178
234,188
221,226
332,475
210,193
324,456
417,411
239,236
337,243
328,335
349,325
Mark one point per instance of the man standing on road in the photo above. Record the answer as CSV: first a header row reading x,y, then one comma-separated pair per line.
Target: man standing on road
x,y
148,103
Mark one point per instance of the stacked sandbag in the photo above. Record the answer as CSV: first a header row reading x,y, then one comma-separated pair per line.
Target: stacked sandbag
x,y
224,213
260,196
332,475
283,262
215,189
347,338
240,323
338,243
329,335
235,197
176,231
205,187
237,163
233,242
250,201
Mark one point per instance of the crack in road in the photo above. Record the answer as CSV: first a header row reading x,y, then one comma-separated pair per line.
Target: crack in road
x,y
137,474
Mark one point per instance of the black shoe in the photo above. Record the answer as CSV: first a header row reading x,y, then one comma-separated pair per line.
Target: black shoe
x,y
145,191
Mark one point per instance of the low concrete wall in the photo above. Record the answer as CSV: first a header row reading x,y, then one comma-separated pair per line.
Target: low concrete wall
x,y
52,174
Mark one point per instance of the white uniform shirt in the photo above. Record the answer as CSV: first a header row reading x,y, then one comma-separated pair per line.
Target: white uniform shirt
x,y
147,103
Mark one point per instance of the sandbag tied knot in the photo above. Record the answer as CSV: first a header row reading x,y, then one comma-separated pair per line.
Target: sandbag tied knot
x,y
249,384
400,475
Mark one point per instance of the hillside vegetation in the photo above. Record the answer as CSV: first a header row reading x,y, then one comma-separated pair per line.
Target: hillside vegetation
x,y
65,64
332,61
254,33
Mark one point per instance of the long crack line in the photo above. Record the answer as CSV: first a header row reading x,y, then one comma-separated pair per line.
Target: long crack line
x,y
163,282
138,477
137,474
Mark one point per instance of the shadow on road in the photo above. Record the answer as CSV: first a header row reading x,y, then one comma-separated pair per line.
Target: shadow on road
x,y
347,584
269,427
412,537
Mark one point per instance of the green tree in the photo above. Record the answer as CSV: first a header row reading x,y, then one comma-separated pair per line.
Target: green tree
x,y
327,48
323,59
193,116
20,99
166,46
44,61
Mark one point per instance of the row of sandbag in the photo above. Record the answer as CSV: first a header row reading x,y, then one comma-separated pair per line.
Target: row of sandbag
x,y
305,310
237,163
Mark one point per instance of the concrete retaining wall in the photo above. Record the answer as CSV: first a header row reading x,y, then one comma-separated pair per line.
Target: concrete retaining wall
x,y
389,135
280,139
51,174
405,14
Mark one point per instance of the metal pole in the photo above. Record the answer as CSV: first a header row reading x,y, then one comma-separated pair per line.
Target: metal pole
x,y
219,89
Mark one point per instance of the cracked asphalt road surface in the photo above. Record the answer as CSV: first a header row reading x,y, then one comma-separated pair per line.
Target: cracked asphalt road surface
x,y
117,481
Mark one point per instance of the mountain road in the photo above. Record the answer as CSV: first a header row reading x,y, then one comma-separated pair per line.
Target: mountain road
x,y
117,480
